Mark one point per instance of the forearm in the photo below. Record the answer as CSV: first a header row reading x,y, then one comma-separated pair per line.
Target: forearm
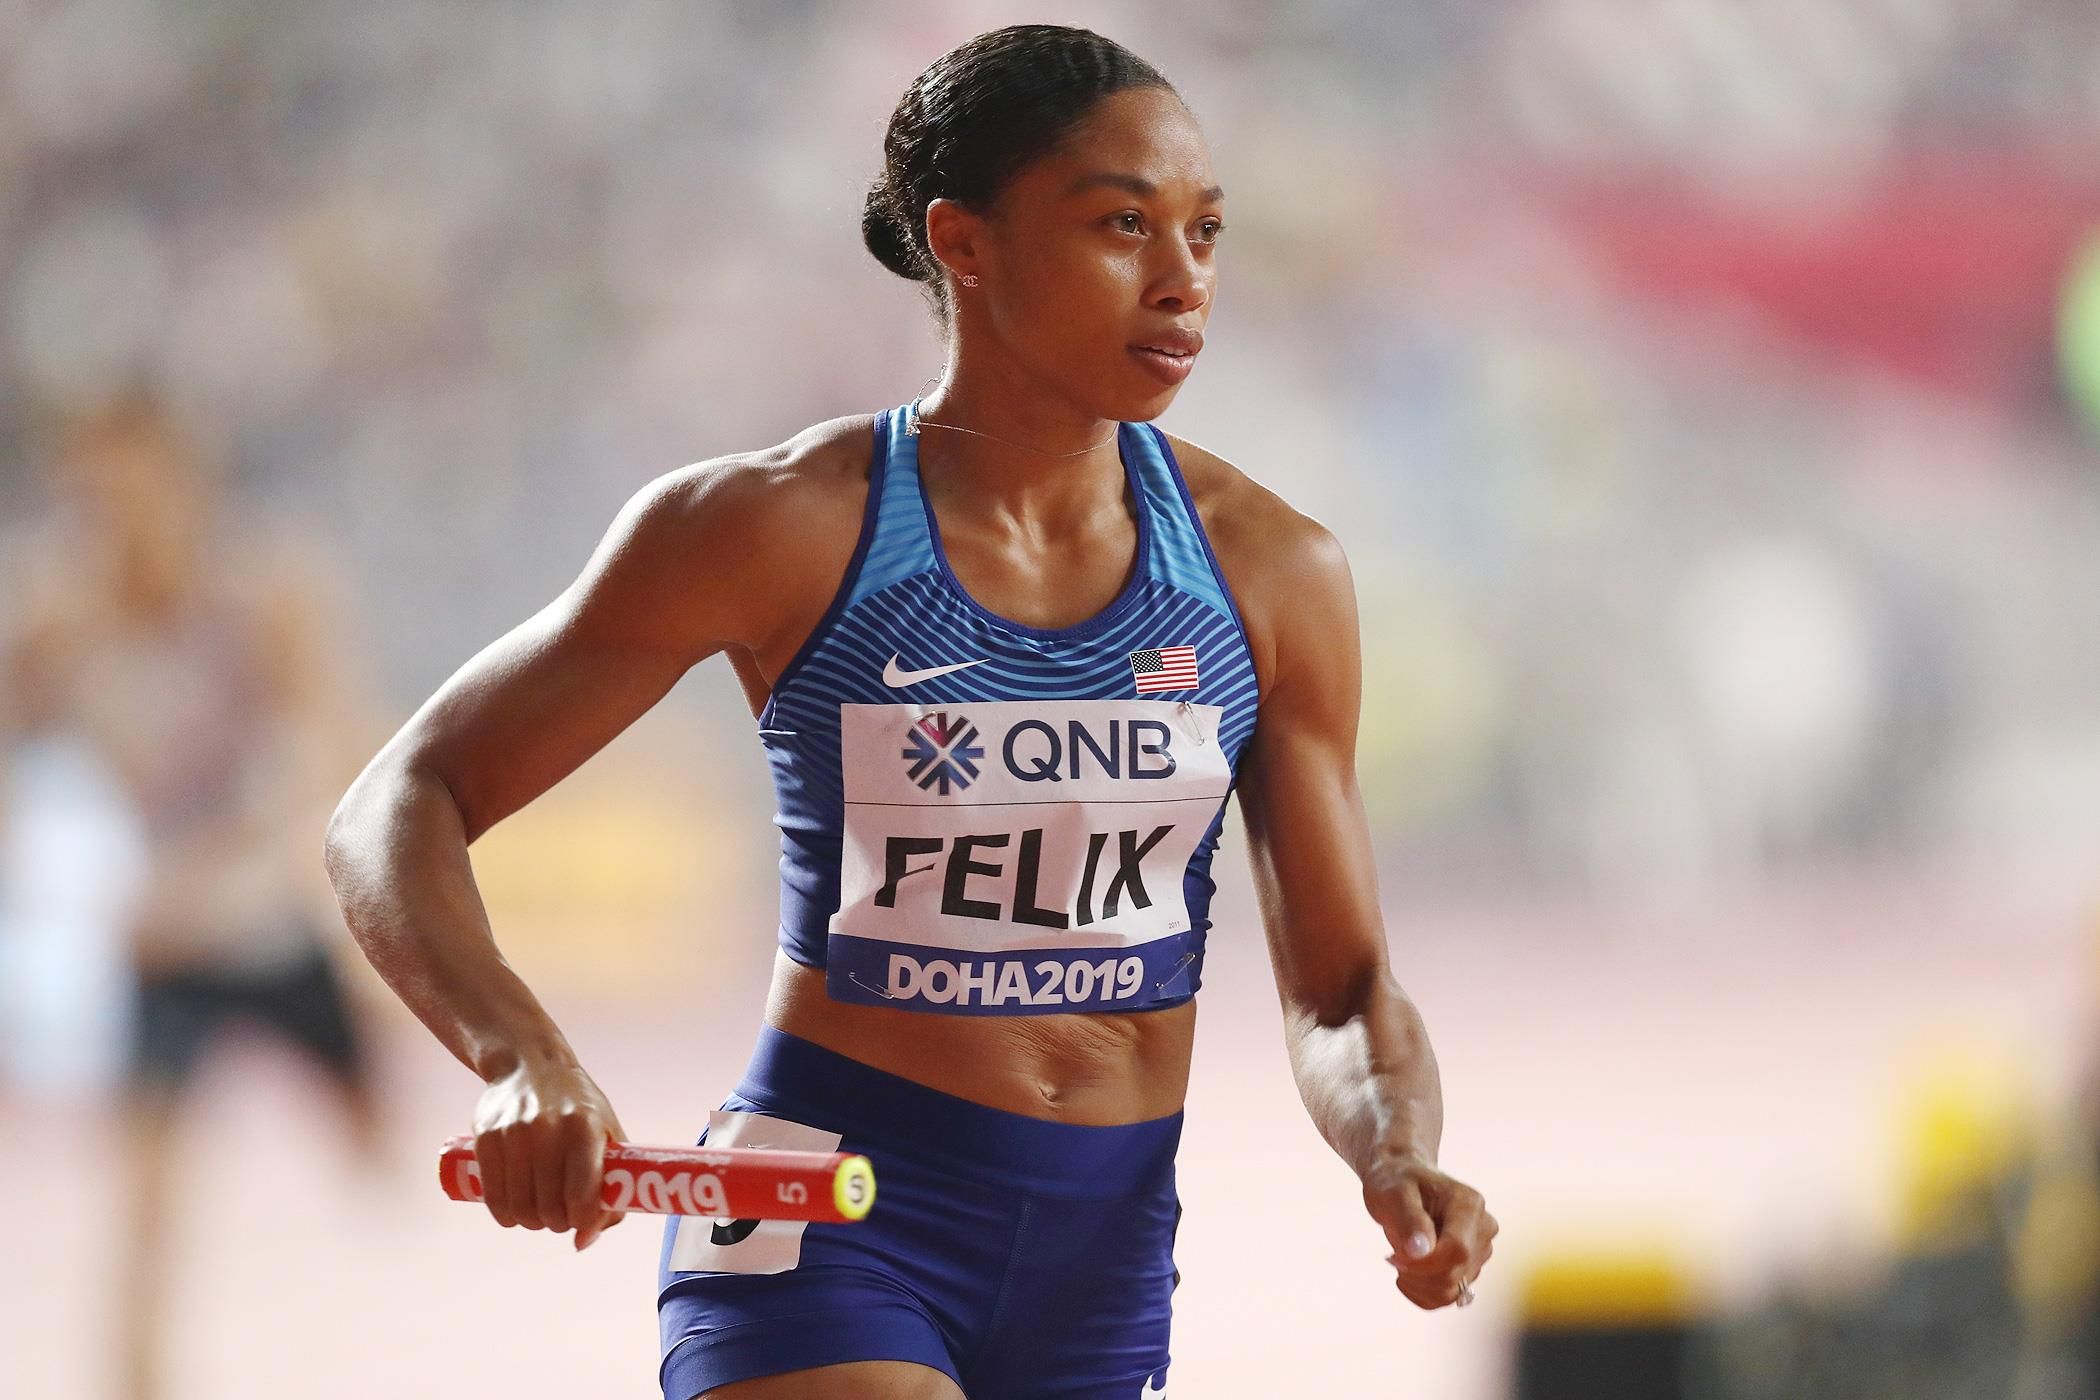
x,y
397,857
1370,1080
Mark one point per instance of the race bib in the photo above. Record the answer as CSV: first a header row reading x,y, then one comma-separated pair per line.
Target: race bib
x,y
747,1246
1018,856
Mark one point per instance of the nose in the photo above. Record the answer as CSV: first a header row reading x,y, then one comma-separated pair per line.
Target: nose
x,y
1183,282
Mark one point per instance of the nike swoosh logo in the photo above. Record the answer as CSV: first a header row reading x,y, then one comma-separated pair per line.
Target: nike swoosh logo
x,y
731,1232
894,674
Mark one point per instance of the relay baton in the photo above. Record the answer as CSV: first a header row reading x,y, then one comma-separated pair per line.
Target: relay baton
x,y
738,1183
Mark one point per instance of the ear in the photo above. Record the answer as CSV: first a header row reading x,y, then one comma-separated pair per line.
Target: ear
x,y
954,235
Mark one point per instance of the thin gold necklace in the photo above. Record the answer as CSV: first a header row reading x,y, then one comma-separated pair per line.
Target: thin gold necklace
x,y
913,422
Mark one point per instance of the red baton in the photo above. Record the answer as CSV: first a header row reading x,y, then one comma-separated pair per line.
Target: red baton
x,y
734,1183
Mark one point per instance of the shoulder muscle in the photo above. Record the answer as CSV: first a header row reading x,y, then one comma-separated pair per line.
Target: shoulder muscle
x,y
716,554
698,559
1287,570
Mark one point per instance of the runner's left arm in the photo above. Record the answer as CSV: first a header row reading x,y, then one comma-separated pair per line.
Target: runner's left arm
x,y
1359,1051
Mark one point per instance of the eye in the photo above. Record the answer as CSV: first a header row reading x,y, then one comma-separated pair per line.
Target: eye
x,y
1210,229
1135,224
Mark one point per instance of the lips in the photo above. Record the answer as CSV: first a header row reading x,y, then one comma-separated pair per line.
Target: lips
x,y
1169,354
1175,340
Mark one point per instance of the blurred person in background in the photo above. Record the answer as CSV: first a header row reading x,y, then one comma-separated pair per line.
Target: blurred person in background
x,y
1056,198
196,658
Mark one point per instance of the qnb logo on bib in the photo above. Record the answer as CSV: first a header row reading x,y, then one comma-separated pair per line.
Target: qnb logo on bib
x,y
943,750
1047,871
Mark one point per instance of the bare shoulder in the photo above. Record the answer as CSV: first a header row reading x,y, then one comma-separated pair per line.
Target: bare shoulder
x,y
792,509
1254,530
730,551
1275,557
819,475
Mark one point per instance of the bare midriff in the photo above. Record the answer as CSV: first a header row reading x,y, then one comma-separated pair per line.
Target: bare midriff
x,y
1094,1068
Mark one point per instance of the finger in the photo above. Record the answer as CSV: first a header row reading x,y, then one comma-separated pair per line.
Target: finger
x,y
1434,1290
586,1166
488,1153
595,1224
1429,1294
604,1221
612,1218
1409,1228
519,1178
1431,1291
1459,1212
550,1178
1463,1232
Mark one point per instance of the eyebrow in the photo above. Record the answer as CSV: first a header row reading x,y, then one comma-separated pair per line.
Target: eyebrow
x,y
1136,184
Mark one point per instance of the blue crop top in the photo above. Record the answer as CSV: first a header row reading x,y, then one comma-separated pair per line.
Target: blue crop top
x,y
979,817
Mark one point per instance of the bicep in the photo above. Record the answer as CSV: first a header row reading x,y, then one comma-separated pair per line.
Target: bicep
x,y
1308,840
658,595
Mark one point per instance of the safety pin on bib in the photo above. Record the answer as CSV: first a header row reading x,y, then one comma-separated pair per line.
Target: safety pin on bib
x,y
886,995
1188,709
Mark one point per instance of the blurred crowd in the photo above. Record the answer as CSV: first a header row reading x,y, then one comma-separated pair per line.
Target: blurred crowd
x,y
1713,516
1708,396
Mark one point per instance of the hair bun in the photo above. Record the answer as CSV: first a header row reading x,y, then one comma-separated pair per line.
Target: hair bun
x,y
883,232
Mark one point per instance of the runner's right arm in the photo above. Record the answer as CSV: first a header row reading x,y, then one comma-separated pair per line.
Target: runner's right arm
x,y
681,574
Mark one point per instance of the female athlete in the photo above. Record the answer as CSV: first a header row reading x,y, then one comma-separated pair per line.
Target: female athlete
x,y
1006,646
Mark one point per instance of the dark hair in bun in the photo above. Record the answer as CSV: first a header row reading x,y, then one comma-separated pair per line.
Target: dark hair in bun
x,y
978,114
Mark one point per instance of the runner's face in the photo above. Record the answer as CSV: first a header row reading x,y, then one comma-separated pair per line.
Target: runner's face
x,y
1099,247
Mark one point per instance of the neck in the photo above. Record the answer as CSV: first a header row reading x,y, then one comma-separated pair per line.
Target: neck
x,y
1043,457
1035,419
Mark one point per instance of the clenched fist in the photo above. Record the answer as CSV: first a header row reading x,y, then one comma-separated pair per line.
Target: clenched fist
x,y
539,1134
1439,1228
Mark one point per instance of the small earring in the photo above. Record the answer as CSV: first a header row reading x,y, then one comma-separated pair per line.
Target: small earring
x,y
968,279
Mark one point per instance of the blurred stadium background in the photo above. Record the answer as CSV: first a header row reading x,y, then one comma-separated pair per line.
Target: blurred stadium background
x,y
1708,396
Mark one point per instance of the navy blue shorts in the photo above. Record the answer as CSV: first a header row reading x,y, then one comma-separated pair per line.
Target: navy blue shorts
x,y
1022,1257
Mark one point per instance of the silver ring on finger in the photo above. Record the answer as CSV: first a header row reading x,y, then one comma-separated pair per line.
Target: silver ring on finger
x,y
1465,1293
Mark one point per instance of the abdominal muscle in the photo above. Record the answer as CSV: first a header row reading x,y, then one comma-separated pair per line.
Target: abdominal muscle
x,y
1096,1068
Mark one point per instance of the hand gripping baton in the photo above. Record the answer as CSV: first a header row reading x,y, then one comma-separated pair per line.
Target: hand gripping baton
x,y
735,1183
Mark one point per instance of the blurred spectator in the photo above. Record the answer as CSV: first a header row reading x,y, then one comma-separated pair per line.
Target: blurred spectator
x,y
195,657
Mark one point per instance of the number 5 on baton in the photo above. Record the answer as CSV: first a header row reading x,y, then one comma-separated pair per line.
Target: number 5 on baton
x,y
743,1183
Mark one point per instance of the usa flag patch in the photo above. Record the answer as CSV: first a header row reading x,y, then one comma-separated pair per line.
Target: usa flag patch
x,y
1164,668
